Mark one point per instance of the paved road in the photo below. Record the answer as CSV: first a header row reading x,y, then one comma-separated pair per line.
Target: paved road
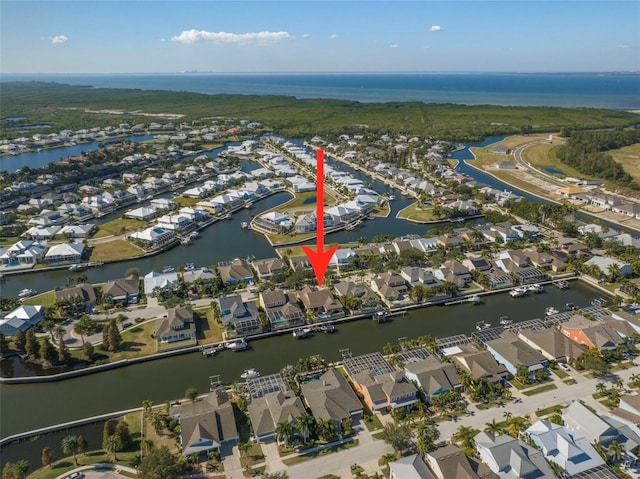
x,y
517,154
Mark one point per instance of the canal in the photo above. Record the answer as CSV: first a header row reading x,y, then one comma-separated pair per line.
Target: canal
x,y
29,406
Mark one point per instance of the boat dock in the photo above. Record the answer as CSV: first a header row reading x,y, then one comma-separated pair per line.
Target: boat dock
x,y
562,284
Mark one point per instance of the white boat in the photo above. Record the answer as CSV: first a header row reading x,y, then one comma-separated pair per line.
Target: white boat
x,y
535,288
250,374
301,333
570,307
168,269
27,292
237,345
328,328
211,350
482,325
380,316
517,292
189,266
475,299
77,267
392,197
505,321
244,225
550,311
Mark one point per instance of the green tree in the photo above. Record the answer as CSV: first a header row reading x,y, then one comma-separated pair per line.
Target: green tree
x,y
7,471
20,341
48,351
32,345
122,431
397,436
428,434
494,428
112,445
147,406
63,352
4,345
115,340
108,429
285,433
70,446
160,464
88,350
305,424
615,451
83,445
465,436
244,448
21,469
191,394
48,456
274,475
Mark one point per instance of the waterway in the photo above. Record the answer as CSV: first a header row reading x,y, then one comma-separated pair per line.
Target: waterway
x,y
29,406
37,159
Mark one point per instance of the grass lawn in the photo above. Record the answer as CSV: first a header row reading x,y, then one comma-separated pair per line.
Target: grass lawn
x,y
382,211
118,227
9,240
297,250
517,384
125,458
136,342
258,471
629,158
312,455
209,330
541,389
159,440
513,142
45,299
412,212
372,422
570,381
184,201
253,457
559,372
515,180
549,410
280,238
306,199
117,249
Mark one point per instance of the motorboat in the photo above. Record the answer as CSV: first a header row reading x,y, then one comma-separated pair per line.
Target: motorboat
x,y
189,267
535,288
379,316
250,373
211,350
517,292
505,321
328,328
550,311
570,307
475,299
168,269
77,267
26,293
237,345
482,325
301,333
244,225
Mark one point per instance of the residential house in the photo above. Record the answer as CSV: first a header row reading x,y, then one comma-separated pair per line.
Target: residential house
x,y
77,231
390,286
42,233
409,467
24,252
415,275
239,316
273,408
177,223
64,253
450,462
203,273
433,377
266,268
281,309
607,265
331,398
454,272
81,295
322,302
592,334
21,318
357,296
274,222
570,451
153,237
512,352
628,412
124,291
154,281
510,458
177,325
206,424
552,344
477,363
342,257
236,271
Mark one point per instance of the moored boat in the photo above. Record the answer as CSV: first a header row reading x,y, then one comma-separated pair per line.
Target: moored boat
x,y
517,292
301,333
505,321
482,325
237,345
475,299
328,328
78,267
250,374
550,311
26,293
535,288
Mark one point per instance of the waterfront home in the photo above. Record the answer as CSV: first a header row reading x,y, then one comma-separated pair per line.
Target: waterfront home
x,y
274,222
511,458
100,202
177,223
271,184
163,204
381,386
432,376
455,272
390,286
144,213
236,271
579,419
357,296
628,412
124,291
266,268
197,192
552,344
281,309
228,201
415,275
505,232
450,462
607,265
210,207
155,282
343,213
176,325
194,214
21,318
477,363
203,273
516,262
298,263
82,296
540,260
64,253
77,231
512,352
157,185
480,264
342,257
426,245
331,398
273,408
570,451
571,247
239,316
41,233
153,237
592,334
410,467
307,223
321,302
206,424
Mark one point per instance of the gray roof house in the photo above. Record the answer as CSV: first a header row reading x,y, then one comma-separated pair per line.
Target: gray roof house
x,y
510,458
189,276
281,309
237,271
331,397
552,344
178,325
83,292
433,376
478,363
450,462
511,351
21,318
266,412
124,290
238,315
409,467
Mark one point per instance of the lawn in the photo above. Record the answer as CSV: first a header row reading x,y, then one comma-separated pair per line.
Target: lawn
x,y
559,372
45,299
414,213
118,227
541,389
549,410
253,456
137,342
62,466
209,330
629,158
184,201
306,200
312,455
372,422
283,238
113,250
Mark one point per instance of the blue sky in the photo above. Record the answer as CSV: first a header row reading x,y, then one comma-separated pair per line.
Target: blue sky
x,y
318,36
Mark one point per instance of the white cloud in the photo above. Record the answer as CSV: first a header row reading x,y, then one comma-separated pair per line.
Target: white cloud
x,y
333,36
59,39
257,38
306,35
394,45
624,46
435,28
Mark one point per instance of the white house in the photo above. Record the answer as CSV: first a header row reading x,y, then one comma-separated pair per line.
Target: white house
x,y
23,252
155,237
155,280
65,253
144,213
21,318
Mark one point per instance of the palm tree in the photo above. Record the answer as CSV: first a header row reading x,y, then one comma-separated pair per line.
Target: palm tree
x,y
21,468
157,421
147,406
464,435
244,448
113,444
507,415
515,425
306,425
493,428
285,432
619,383
615,451
601,387
70,446
635,380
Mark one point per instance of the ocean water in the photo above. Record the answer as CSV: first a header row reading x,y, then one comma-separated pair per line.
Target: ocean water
x,y
611,91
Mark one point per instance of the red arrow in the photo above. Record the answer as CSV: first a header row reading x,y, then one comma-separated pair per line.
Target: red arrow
x,y
319,258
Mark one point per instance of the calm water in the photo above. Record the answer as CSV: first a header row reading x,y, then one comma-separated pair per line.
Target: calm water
x,y
613,91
